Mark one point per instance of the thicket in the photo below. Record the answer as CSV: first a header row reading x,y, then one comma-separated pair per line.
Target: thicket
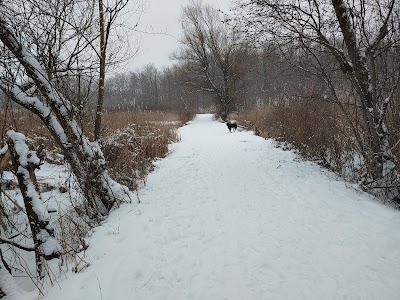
x,y
330,84
132,140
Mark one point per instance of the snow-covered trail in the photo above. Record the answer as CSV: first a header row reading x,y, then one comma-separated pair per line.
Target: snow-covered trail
x,y
229,216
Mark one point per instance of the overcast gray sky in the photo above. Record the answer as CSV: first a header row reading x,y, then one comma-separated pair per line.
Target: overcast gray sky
x,y
162,16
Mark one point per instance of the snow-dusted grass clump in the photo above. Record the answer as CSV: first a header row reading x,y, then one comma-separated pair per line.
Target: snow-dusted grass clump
x,y
134,139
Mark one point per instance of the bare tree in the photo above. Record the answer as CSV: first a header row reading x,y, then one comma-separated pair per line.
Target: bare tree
x,y
60,35
27,83
75,42
57,39
354,37
108,13
211,48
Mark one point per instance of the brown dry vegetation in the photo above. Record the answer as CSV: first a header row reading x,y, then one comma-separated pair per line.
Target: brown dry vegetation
x,y
317,129
131,139
29,124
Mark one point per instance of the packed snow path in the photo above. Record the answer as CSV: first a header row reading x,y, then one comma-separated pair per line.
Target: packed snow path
x,y
230,216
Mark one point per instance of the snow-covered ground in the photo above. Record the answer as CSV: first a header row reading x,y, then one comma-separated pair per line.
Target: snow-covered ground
x,y
230,216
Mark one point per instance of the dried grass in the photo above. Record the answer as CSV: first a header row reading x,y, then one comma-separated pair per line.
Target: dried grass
x,y
131,139
315,128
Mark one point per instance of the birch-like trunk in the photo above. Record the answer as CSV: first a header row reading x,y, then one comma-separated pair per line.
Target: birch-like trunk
x,y
25,162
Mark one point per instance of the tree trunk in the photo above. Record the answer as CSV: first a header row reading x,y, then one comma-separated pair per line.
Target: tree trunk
x,y
100,99
379,154
25,162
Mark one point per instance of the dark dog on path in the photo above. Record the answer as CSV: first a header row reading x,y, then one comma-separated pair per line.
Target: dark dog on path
x,y
232,125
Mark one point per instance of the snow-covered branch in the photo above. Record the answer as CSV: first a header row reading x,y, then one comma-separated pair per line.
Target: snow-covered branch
x,y
25,162
60,116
